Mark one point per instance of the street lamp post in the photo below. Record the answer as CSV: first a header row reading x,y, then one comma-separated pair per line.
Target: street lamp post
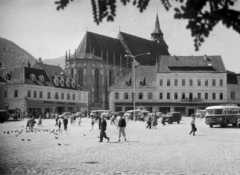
x,y
134,88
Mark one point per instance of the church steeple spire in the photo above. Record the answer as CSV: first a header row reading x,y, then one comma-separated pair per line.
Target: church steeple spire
x,y
157,34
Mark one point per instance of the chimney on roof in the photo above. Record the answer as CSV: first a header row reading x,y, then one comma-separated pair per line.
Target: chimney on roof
x,y
28,65
40,60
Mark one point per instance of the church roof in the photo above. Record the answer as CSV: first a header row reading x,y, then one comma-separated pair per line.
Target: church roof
x,y
157,29
167,64
101,46
137,45
107,48
145,78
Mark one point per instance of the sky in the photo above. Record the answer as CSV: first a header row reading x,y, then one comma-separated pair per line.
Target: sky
x,y
40,29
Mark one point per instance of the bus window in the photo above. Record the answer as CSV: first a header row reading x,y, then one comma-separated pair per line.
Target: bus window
x,y
210,111
218,111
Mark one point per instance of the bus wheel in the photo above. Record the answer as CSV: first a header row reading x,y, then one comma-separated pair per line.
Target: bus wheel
x,y
210,126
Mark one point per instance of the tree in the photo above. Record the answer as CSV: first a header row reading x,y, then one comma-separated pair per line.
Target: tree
x,y
202,15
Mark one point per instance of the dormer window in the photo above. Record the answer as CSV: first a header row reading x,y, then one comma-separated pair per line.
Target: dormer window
x,y
33,77
7,77
62,81
73,83
68,82
41,78
56,81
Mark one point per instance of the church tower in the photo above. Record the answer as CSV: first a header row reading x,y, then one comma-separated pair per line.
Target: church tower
x,y
157,35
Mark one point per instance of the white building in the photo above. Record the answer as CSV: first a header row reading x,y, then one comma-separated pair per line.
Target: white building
x,y
32,90
176,83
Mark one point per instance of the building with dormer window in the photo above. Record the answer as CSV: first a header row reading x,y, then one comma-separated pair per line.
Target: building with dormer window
x,y
34,91
177,83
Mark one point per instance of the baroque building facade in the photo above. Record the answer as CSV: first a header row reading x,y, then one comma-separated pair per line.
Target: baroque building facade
x,y
177,83
100,61
35,91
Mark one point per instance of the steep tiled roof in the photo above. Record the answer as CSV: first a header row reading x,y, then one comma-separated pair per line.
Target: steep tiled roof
x,y
101,45
15,74
37,73
51,70
22,75
145,74
137,45
190,64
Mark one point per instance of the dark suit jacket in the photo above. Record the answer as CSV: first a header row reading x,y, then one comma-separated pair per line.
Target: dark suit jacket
x,y
103,125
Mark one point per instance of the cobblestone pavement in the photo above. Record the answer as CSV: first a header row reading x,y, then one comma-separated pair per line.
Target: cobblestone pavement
x,y
167,150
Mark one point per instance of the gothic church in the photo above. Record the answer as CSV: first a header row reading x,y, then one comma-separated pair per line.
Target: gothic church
x,y
99,61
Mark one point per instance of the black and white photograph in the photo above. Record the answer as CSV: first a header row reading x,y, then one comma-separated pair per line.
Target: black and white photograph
x,y
119,87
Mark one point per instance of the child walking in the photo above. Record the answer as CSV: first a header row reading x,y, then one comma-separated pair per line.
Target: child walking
x,y
194,129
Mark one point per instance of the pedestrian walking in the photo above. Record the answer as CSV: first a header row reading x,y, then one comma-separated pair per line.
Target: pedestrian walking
x,y
65,123
98,117
79,121
56,119
28,124
47,115
103,127
59,123
193,126
92,122
121,127
32,122
163,120
40,120
149,122
154,123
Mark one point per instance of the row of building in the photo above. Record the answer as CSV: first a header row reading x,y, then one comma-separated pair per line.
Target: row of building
x,y
100,75
40,88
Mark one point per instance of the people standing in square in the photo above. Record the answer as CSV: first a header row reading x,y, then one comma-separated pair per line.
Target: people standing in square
x,y
121,127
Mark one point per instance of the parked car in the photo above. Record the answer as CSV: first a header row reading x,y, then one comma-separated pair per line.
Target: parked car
x,y
66,114
3,116
106,113
171,117
78,114
139,114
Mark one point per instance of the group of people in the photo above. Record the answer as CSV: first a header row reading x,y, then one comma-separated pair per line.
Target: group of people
x,y
152,121
119,121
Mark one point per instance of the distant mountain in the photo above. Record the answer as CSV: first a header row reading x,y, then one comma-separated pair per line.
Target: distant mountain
x,y
13,55
56,61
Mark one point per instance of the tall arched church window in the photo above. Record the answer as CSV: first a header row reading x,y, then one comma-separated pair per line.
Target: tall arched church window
x,y
80,76
97,81
72,73
110,78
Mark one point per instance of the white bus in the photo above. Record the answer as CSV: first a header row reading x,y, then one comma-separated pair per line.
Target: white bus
x,y
222,115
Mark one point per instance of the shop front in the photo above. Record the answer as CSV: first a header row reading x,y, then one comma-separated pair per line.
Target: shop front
x,y
43,107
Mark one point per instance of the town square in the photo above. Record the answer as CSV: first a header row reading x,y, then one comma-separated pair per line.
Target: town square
x,y
168,149
119,87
